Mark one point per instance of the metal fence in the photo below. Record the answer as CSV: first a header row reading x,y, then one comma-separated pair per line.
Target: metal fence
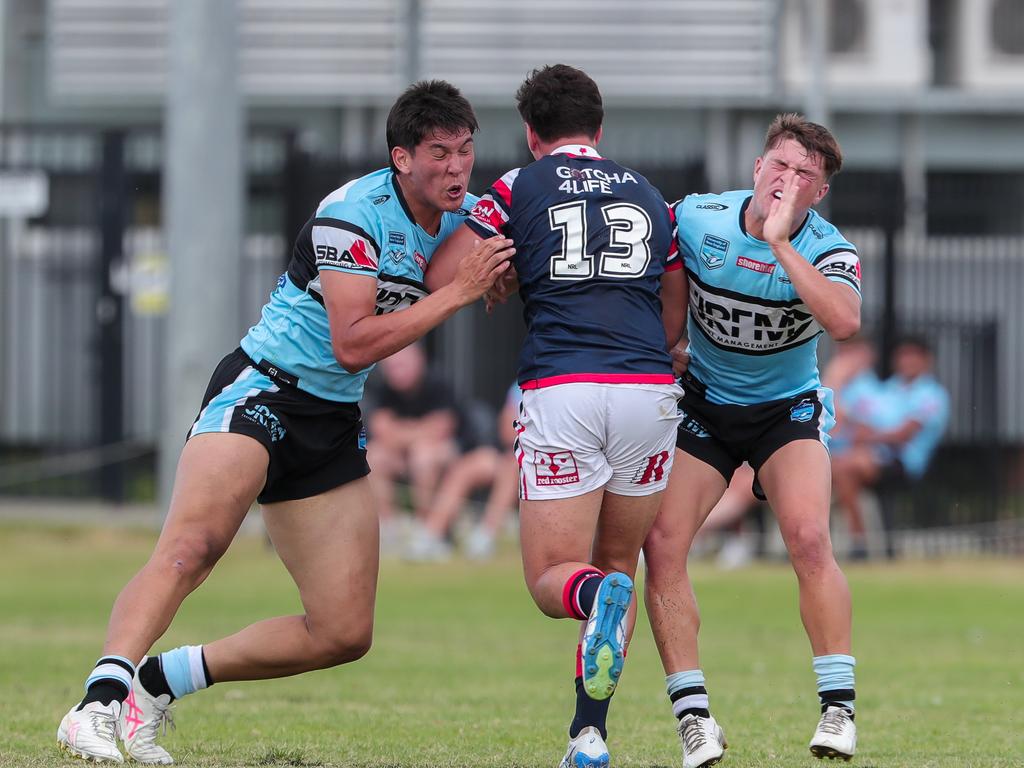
x,y
68,374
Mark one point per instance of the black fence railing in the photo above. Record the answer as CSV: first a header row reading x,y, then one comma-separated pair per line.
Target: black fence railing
x,y
84,288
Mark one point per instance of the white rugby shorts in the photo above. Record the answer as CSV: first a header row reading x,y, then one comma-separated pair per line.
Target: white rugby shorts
x,y
574,438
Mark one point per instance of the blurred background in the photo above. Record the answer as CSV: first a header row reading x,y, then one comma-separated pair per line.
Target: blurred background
x,y
157,157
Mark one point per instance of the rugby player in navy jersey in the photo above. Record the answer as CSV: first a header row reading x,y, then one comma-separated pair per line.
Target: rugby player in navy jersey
x,y
280,424
767,275
597,425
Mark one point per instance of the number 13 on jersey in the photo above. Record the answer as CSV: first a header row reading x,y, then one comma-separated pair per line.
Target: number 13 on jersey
x,y
628,251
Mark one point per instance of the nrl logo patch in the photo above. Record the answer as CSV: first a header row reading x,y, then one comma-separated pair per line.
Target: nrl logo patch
x,y
713,250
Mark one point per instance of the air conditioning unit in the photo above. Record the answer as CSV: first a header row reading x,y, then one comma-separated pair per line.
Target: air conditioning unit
x,y
872,45
990,44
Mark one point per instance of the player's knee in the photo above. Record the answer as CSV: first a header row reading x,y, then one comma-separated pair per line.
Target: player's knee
x,y
188,556
665,549
535,584
346,645
809,547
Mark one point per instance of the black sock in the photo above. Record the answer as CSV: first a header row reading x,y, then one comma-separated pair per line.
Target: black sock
x,y
588,593
151,675
843,697
685,693
106,689
589,712
206,669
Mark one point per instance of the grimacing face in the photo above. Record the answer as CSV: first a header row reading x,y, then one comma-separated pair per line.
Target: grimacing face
x,y
774,169
437,169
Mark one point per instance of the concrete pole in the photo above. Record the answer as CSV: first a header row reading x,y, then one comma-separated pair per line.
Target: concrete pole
x,y
914,170
816,34
203,198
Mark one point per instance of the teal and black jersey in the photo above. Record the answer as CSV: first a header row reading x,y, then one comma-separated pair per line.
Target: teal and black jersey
x,y
752,339
362,228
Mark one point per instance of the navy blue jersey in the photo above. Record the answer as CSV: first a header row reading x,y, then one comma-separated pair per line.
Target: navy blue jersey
x,y
592,240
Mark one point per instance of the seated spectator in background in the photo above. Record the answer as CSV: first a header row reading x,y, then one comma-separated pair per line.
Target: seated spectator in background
x,y
412,431
851,375
890,429
490,464
729,516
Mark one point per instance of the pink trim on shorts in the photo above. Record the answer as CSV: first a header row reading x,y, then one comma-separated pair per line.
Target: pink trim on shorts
x,y
599,378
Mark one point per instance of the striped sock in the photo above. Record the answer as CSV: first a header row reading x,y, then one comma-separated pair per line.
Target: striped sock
x,y
110,680
835,680
687,693
580,591
153,679
185,670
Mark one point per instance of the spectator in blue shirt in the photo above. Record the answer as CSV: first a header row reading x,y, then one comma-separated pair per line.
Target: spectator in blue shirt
x,y
891,428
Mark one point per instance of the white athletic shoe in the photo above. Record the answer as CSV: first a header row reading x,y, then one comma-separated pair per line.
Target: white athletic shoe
x,y
480,544
702,741
91,733
141,718
587,750
426,547
836,735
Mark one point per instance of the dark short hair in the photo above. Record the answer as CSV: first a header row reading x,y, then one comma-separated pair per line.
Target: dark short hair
x,y
915,341
426,108
559,101
815,138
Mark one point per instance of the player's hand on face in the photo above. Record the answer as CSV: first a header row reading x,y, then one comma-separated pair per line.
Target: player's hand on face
x,y
680,359
782,214
483,265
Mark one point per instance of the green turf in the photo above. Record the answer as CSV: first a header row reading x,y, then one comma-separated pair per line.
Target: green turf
x,y
466,672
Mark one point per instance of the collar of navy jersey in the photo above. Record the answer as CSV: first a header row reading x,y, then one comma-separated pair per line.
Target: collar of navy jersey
x,y
579,150
743,223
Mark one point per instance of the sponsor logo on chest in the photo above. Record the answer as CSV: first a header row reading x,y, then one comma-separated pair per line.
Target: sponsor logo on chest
x,y
744,325
757,266
393,295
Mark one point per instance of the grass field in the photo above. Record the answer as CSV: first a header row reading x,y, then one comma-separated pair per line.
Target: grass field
x,y
466,672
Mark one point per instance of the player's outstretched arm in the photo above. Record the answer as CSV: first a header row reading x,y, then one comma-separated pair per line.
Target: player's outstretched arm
x,y
360,337
836,306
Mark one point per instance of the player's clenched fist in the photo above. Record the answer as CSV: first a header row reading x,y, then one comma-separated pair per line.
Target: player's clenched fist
x,y
483,265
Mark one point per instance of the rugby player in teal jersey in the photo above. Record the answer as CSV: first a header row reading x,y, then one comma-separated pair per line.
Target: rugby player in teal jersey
x,y
767,275
280,424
